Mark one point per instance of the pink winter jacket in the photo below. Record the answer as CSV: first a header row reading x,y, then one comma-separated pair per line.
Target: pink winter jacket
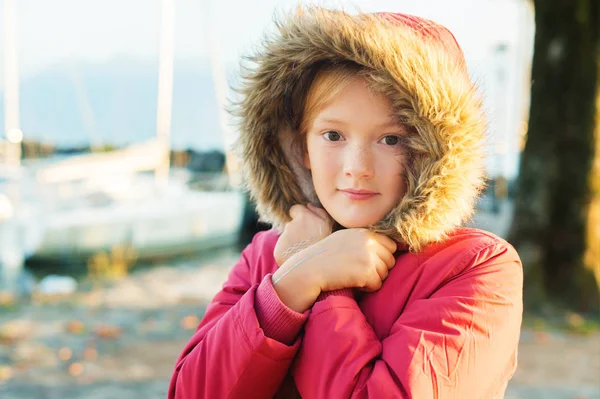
x,y
445,324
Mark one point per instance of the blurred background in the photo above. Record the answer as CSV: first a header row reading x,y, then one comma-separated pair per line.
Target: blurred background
x,y
120,203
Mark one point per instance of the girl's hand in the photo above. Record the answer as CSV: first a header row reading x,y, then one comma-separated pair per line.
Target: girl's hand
x,y
352,258
309,225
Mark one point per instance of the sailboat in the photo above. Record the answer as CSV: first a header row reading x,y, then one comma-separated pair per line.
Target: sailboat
x,y
128,198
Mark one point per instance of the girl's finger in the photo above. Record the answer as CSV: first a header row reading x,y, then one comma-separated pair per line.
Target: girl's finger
x,y
382,270
388,259
387,242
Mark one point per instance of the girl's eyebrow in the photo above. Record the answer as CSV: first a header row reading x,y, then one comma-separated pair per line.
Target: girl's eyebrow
x,y
390,123
329,120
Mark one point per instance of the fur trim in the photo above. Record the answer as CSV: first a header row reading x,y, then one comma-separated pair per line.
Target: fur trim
x,y
417,67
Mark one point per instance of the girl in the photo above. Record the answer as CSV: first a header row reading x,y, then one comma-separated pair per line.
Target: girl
x,y
370,290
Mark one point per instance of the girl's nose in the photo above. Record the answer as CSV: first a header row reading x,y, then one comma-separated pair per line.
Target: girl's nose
x,y
358,162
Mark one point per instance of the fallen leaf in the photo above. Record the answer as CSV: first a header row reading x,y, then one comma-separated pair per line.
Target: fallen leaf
x,y
65,354
75,327
76,369
189,322
108,332
5,373
90,354
14,331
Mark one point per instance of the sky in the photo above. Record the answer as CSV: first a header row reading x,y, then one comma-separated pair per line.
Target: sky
x,y
51,32
57,32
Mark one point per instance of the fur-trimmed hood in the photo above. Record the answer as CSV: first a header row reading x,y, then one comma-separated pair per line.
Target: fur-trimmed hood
x,y
418,65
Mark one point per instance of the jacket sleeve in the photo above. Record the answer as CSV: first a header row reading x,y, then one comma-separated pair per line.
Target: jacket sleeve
x,y
461,342
245,343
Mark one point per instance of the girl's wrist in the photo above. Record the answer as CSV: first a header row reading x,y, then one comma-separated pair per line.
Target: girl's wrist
x,y
296,284
292,295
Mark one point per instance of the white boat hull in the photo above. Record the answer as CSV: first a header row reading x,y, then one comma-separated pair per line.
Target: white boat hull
x,y
157,226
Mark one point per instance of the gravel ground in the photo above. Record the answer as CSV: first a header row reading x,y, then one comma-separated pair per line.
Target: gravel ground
x,y
121,340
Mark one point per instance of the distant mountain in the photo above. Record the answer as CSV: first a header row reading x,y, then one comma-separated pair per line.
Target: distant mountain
x,y
115,103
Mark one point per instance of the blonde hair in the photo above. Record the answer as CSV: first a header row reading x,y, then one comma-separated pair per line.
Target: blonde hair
x,y
326,84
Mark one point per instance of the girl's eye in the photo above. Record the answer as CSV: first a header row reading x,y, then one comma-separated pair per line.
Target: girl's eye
x,y
391,140
332,136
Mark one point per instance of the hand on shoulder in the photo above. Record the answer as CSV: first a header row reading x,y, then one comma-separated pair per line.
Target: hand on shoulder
x,y
353,258
350,258
308,226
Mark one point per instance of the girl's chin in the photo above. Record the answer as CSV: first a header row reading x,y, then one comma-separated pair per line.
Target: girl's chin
x,y
354,224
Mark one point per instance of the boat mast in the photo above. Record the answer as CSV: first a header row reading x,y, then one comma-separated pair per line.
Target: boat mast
x,y
12,130
221,91
165,89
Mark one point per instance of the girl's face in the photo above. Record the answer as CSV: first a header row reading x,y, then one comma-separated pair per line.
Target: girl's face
x,y
353,145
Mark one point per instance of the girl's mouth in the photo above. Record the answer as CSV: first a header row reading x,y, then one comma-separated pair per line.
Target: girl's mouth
x,y
359,194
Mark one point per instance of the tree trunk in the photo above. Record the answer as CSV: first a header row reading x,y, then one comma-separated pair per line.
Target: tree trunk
x,y
557,195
